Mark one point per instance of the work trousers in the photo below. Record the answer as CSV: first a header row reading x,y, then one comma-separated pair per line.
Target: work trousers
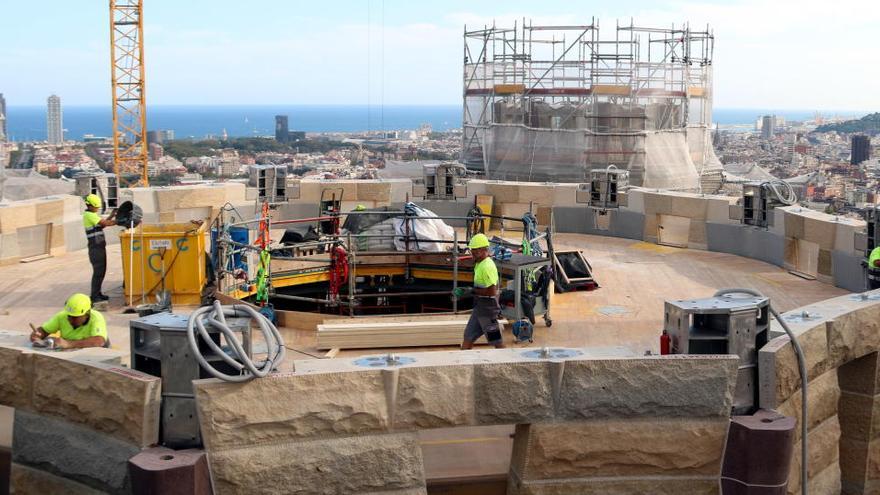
x,y
98,258
484,320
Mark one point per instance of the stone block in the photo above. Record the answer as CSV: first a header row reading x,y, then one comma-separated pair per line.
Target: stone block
x,y
824,263
617,448
758,452
826,482
513,392
373,191
16,215
360,464
326,404
657,204
860,375
680,386
853,464
641,486
27,480
108,398
48,211
690,207
820,231
859,416
854,334
823,394
823,452
794,225
72,451
16,377
504,192
434,397
778,368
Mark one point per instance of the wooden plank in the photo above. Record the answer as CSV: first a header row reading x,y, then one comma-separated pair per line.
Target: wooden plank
x,y
332,353
391,334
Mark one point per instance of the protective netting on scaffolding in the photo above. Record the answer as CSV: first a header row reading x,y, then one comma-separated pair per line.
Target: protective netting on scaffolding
x,y
550,103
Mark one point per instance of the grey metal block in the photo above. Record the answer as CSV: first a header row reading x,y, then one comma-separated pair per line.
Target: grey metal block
x,y
180,423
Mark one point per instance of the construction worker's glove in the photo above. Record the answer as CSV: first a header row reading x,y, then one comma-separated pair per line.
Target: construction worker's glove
x,y
460,292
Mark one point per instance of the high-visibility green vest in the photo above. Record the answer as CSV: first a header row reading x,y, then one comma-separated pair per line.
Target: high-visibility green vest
x,y
875,255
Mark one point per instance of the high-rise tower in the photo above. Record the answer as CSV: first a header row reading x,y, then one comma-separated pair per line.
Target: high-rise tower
x,y
54,121
4,132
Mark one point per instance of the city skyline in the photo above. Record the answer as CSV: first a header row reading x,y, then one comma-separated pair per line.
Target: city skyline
x,y
362,53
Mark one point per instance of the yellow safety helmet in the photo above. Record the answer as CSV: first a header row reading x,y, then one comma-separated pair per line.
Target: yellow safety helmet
x,y
479,241
78,305
93,200
360,208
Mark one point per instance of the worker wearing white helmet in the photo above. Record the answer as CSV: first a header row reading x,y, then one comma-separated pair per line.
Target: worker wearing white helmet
x,y
94,226
484,317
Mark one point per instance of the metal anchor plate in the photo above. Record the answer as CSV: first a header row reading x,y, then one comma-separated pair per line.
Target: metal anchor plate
x,y
383,361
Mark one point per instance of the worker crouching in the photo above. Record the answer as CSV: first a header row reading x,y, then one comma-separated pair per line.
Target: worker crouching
x,y
484,317
78,324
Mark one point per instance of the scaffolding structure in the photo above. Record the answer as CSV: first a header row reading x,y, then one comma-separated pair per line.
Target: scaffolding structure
x,y
550,103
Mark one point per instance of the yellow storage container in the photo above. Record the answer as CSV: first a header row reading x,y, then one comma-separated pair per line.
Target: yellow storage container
x,y
175,249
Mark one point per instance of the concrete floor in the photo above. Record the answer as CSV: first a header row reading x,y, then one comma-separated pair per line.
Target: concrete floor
x,y
635,278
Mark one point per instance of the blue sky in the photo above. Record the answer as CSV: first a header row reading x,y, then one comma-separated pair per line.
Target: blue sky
x,y
772,54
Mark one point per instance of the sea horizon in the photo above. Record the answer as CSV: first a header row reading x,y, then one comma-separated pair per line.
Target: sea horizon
x,y
28,122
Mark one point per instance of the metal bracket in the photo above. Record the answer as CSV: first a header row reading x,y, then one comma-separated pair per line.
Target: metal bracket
x,y
389,360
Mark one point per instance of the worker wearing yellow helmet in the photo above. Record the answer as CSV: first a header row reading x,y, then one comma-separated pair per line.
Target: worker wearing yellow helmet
x,y
78,325
484,317
94,226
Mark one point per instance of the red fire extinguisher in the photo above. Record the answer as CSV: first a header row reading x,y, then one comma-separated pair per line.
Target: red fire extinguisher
x,y
665,340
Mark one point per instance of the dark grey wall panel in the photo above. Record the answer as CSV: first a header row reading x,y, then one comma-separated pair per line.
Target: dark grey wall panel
x,y
848,271
582,220
746,241
628,224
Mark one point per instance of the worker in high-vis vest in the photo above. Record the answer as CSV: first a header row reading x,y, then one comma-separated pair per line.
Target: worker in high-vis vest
x,y
484,317
77,326
874,269
94,226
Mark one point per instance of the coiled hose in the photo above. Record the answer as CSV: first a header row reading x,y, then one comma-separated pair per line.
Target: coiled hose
x,y
802,368
215,316
782,190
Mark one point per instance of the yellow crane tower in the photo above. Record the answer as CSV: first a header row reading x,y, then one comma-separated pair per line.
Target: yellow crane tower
x,y
129,91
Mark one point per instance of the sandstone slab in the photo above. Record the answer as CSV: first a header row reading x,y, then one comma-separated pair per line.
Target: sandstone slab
x,y
362,464
823,394
859,416
16,377
674,386
513,392
26,480
610,448
854,334
823,452
284,407
655,486
860,375
107,398
778,368
72,451
433,397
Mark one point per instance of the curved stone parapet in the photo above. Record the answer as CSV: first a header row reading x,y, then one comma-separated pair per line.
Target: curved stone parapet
x,y
357,426
840,338
79,417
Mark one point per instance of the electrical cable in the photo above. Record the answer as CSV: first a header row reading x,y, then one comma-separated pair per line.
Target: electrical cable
x,y
215,316
802,369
